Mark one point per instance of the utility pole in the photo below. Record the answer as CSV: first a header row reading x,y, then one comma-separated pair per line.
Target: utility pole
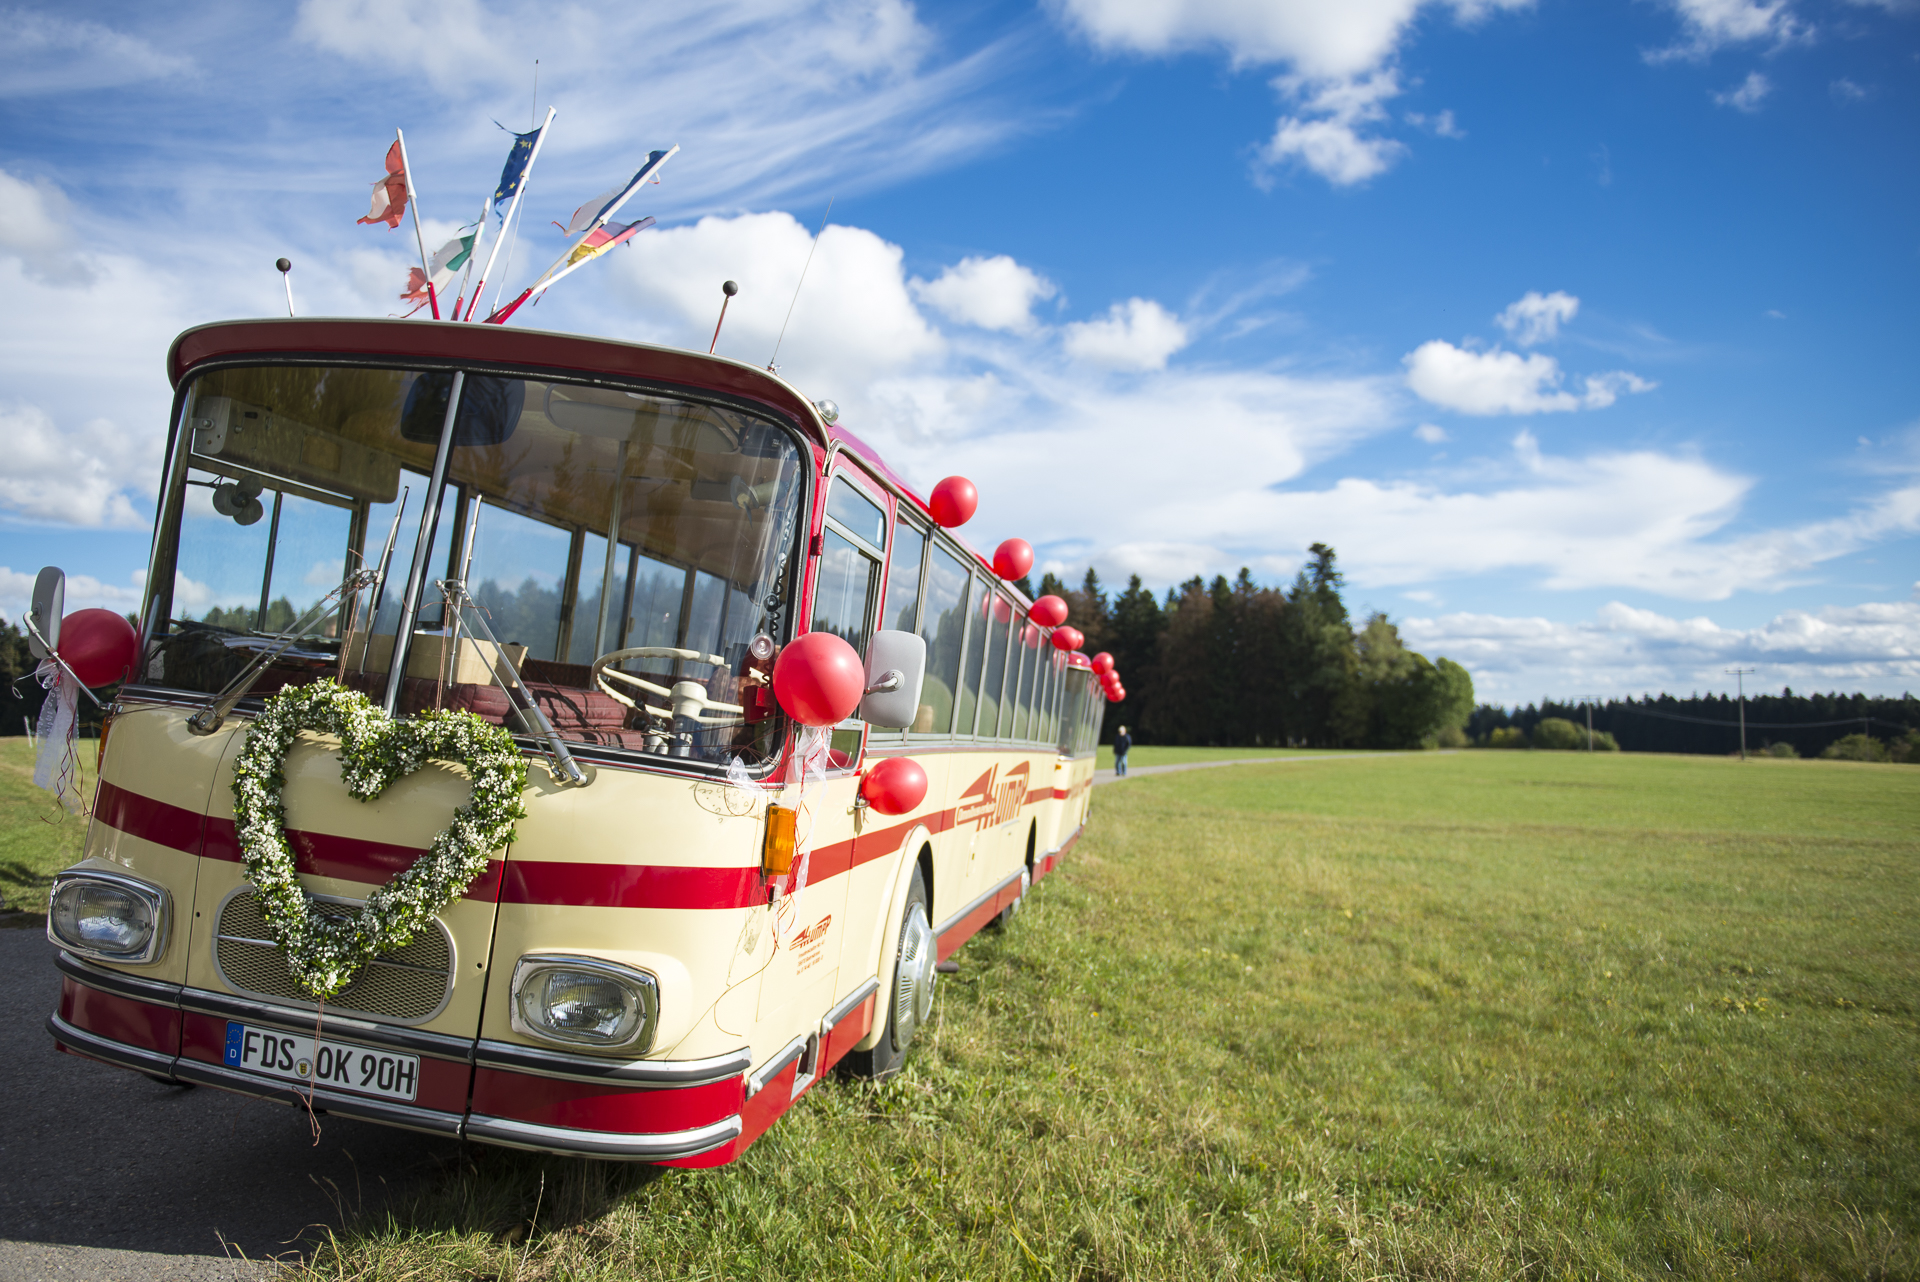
x,y
1589,700
1740,676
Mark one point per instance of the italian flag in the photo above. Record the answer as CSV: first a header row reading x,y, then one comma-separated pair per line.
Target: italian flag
x,y
446,265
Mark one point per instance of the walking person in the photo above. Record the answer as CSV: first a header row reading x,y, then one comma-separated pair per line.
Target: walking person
x,y
1122,741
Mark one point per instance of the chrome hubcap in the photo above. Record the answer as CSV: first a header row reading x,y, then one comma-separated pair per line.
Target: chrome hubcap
x,y
913,977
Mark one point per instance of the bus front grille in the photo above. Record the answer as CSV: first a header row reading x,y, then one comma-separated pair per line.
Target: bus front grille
x,y
406,985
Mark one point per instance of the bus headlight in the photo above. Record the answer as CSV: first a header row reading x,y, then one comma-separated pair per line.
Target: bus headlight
x,y
107,917
583,1001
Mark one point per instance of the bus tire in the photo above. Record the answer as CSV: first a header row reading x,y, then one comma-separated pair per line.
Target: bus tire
x,y
913,978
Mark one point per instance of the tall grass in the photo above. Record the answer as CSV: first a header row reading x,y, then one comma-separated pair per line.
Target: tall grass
x,y
1485,1015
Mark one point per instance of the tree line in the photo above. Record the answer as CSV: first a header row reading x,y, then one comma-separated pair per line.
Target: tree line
x,y
1230,662
1807,725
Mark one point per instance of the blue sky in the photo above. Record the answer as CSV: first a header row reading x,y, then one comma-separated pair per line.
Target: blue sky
x,y
1585,333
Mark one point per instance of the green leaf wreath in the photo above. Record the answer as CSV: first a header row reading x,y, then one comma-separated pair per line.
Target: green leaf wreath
x,y
324,955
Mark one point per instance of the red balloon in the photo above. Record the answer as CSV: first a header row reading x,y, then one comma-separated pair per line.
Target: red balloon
x,y
954,501
1103,662
98,645
819,679
1013,558
895,786
1068,639
1049,611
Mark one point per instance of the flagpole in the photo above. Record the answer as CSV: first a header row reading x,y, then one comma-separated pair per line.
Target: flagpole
x,y
519,190
419,237
479,238
548,283
646,172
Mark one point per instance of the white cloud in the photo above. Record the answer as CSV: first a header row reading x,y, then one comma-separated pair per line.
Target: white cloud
x,y
1441,124
1747,95
44,54
1503,382
1338,58
36,227
1845,90
84,592
1431,433
1627,650
1327,136
1537,317
854,319
1708,25
1325,41
71,476
1627,519
1137,334
992,293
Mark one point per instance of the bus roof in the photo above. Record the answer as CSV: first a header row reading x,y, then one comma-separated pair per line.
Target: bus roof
x,y
543,349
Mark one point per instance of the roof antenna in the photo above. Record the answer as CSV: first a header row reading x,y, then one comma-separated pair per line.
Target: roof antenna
x,y
771,367
729,289
286,268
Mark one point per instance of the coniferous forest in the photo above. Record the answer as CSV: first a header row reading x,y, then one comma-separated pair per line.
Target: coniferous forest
x,y
1233,663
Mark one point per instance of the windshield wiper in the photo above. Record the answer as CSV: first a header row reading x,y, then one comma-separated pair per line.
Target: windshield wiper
x,y
455,592
211,717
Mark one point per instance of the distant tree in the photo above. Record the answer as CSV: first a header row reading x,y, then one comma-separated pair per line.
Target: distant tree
x,y
1856,747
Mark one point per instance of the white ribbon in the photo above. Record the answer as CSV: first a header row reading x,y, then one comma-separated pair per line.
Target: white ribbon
x,y
806,764
55,763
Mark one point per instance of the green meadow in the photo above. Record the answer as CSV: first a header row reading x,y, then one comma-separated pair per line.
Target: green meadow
x,y
1479,1015
37,837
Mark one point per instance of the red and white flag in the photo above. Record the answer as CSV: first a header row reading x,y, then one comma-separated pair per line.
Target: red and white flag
x,y
389,203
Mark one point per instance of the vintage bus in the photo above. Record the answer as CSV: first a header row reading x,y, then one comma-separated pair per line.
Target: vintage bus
x,y
642,530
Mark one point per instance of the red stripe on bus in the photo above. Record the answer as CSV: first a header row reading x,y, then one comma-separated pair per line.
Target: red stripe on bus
x,y
583,885
317,854
150,820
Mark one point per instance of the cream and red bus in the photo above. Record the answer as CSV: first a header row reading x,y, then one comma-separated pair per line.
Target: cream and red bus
x,y
639,532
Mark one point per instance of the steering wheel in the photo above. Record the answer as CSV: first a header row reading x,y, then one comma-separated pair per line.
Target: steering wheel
x,y
684,698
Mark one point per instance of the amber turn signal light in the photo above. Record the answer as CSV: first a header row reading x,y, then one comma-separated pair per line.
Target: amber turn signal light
x,y
776,858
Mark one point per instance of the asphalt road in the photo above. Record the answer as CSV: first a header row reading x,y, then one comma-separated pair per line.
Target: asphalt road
x,y
106,1175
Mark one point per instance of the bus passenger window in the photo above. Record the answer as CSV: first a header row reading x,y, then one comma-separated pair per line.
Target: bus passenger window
x,y
862,517
659,590
969,703
844,591
943,623
903,579
998,617
518,570
1029,677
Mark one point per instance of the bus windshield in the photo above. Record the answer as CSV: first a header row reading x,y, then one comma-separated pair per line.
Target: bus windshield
x,y
587,523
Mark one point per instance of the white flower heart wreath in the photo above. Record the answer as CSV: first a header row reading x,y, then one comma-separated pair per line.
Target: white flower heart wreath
x,y
322,955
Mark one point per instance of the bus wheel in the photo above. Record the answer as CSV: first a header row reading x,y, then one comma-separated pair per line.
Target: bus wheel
x,y
912,996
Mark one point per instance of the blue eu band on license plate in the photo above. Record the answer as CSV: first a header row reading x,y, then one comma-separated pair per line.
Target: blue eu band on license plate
x,y
336,1066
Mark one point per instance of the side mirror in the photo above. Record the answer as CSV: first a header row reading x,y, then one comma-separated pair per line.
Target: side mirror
x,y
896,669
48,608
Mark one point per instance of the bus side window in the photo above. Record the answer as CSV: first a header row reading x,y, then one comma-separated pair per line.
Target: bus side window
x,y
943,623
980,617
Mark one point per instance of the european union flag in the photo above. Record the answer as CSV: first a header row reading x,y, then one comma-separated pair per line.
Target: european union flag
x,y
516,167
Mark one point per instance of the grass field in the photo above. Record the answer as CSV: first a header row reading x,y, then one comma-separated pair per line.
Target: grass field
x,y
37,838
1489,1015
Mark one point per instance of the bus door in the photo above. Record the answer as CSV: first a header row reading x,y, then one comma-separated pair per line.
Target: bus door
x,y
804,980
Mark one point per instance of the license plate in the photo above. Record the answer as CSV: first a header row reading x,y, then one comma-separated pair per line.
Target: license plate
x,y
333,1065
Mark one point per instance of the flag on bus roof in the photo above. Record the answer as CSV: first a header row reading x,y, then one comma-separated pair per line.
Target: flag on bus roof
x,y
516,168
608,201
605,237
445,264
389,191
